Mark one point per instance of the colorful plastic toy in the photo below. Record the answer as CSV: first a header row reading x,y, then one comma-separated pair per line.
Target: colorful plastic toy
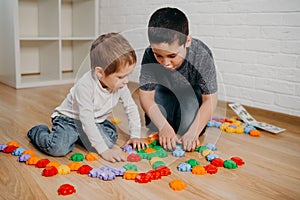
x,y
177,185
229,164
178,151
66,189
237,160
193,162
158,164
130,166
218,162
24,157
74,166
91,156
134,158
13,143
32,160
211,169
130,175
95,172
118,171
248,129
154,174
184,167
255,133
106,174
143,178
9,149
163,170
18,151
77,157
211,156
211,146
154,159
42,163
150,150
64,169
127,148
30,152
2,146
53,163
206,152
200,149
153,137
50,171
199,170
84,169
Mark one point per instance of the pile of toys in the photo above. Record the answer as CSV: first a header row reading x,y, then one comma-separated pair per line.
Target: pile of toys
x,y
154,153
233,125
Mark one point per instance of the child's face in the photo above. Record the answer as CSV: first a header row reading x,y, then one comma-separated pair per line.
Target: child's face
x,y
117,80
171,56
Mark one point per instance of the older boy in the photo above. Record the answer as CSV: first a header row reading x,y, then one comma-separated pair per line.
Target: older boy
x,y
178,87
82,115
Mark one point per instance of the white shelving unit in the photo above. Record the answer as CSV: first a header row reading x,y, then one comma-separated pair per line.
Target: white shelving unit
x,y
44,42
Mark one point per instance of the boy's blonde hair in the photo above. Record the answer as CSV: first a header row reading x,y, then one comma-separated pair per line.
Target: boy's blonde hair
x,y
111,51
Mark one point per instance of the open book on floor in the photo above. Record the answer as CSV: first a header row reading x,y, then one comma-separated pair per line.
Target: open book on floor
x,y
247,118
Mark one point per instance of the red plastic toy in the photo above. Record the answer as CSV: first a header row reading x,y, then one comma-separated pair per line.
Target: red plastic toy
x,y
134,158
237,160
154,174
66,189
84,169
163,170
218,162
211,169
143,178
50,171
42,163
9,149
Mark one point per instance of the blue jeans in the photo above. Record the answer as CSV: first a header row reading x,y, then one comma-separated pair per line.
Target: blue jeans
x,y
179,107
65,133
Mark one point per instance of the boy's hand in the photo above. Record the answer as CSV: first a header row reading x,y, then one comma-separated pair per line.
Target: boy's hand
x,y
168,138
190,141
114,154
136,143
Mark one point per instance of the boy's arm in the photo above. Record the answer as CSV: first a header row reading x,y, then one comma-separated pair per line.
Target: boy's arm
x,y
204,114
83,96
167,136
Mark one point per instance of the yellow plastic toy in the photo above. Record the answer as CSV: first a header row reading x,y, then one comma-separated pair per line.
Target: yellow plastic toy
x,y
64,169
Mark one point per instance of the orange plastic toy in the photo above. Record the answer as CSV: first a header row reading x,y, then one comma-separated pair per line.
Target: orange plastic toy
x,y
13,143
177,185
200,170
130,175
152,137
255,133
53,164
91,156
33,160
74,166
30,152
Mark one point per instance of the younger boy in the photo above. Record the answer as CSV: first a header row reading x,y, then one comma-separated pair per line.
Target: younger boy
x,y
178,87
82,115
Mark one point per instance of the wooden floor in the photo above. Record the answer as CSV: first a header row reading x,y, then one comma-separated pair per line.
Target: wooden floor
x,y
272,169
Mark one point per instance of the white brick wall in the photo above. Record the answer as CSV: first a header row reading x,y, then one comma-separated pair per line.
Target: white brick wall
x,y
256,44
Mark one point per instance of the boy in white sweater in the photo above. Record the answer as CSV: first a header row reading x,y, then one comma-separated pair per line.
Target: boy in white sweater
x,y
82,116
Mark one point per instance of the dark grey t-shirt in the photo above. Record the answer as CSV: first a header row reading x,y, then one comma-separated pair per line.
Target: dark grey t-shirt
x,y
198,69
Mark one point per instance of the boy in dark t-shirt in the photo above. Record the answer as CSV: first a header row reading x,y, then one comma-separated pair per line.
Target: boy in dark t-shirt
x,y
178,87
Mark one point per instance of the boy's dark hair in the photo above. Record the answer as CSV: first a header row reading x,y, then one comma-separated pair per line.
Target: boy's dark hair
x,y
167,25
111,51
